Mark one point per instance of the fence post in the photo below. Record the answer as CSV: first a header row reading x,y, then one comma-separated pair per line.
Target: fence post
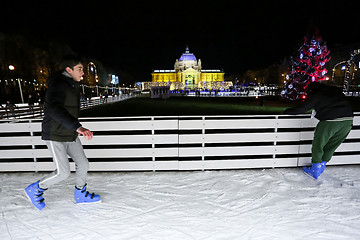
x,y
178,141
276,137
300,137
153,142
203,143
32,144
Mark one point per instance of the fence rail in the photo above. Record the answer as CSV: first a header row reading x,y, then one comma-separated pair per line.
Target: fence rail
x,y
23,111
178,143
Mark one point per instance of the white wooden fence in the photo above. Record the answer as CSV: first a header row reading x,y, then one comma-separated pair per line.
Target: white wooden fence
x,y
178,143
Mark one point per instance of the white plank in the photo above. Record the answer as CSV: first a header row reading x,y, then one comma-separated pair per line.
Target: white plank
x,y
94,166
118,125
349,147
132,125
344,147
122,166
119,153
118,140
21,141
166,139
36,140
288,136
15,141
191,165
17,154
240,124
297,123
17,167
165,152
14,127
190,152
165,124
287,149
165,165
305,148
190,138
355,133
307,135
344,160
42,153
238,151
131,139
35,126
190,124
240,137
304,161
356,120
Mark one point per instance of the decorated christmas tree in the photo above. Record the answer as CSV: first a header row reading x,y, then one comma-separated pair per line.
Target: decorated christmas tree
x,y
307,67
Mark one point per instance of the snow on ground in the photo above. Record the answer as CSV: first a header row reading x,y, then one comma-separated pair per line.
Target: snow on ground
x,y
240,204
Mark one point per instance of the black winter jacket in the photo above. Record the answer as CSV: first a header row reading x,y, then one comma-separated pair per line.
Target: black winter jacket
x,y
329,103
61,109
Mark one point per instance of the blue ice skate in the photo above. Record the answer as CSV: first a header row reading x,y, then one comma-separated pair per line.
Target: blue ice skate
x,y
34,192
323,165
315,170
83,196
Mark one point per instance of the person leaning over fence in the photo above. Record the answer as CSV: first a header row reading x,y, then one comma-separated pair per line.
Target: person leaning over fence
x,y
336,120
60,130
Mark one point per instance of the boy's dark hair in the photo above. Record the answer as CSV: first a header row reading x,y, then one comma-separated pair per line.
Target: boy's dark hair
x,y
326,89
314,86
69,61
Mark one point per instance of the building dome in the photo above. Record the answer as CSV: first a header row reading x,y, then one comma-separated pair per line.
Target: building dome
x,y
187,60
187,56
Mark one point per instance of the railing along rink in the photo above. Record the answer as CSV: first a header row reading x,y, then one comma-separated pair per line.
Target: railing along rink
x,y
22,111
178,143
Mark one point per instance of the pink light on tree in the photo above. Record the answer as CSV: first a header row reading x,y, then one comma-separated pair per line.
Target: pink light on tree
x,y
308,66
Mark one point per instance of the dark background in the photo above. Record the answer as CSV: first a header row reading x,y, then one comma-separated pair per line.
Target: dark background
x,y
138,36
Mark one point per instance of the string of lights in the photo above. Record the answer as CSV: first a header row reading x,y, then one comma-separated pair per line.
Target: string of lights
x,y
307,67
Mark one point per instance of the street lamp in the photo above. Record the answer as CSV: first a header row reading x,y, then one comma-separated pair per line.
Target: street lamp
x,y
12,68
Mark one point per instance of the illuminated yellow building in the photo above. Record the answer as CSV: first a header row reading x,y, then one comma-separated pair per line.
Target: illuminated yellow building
x,y
188,74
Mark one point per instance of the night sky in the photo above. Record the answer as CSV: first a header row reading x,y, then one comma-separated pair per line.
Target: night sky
x,y
137,37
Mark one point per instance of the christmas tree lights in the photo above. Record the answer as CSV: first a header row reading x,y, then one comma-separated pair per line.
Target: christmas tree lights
x,y
307,67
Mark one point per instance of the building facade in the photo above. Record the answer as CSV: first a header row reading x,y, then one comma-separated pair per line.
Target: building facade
x,y
188,74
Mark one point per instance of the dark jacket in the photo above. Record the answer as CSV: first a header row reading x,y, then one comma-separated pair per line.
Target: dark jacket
x,y
61,109
329,102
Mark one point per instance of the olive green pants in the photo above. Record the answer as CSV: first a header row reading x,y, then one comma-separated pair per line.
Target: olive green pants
x,y
327,138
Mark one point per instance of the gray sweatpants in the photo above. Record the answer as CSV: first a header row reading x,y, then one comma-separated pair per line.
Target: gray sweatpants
x,y
60,152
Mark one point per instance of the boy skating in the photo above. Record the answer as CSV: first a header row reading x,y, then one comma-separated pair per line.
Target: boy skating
x,y
336,120
60,130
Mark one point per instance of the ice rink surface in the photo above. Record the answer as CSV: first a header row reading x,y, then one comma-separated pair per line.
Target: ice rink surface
x,y
239,204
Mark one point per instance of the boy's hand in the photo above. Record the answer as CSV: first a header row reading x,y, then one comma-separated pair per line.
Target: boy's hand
x,y
88,135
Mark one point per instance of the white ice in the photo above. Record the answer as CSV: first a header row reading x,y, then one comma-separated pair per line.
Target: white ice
x,y
240,204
